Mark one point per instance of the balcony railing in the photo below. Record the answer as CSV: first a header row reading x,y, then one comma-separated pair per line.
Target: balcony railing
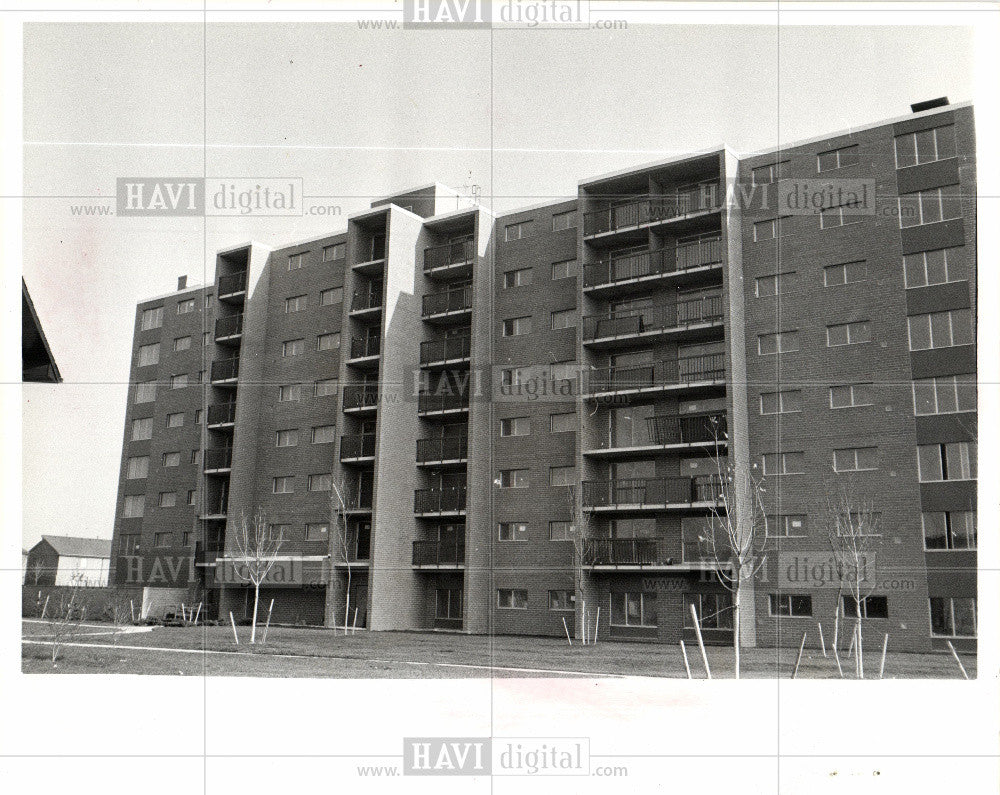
x,y
205,555
357,445
668,372
448,301
229,326
447,349
658,262
439,553
359,500
365,346
366,299
652,209
222,413
687,429
360,396
457,253
628,552
225,369
232,283
433,403
442,448
649,319
650,492
218,458
446,500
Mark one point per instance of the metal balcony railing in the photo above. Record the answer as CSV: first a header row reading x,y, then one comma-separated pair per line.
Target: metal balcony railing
x,y
222,413
437,553
653,318
366,299
442,448
232,283
652,209
439,500
218,458
447,349
687,429
624,267
448,301
457,253
206,554
365,346
628,552
650,492
357,445
433,403
360,500
360,396
229,326
225,369
667,372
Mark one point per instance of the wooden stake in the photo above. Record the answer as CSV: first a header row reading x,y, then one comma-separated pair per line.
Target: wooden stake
x,y
798,659
822,642
957,659
566,627
354,623
597,624
687,665
184,615
269,609
131,604
583,622
701,643
885,645
46,605
836,653
197,614
231,621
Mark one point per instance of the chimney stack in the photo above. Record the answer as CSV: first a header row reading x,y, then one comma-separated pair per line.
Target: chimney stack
x,y
182,282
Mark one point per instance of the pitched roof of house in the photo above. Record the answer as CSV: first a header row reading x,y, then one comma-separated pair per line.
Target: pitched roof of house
x,y
80,547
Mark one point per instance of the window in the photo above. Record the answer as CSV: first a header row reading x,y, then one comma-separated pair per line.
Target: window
x,y
513,376
765,175
953,616
334,252
197,416
789,604
512,531
841,215
855,459
192,494
838,158
513,478
208,301
779,342
162,539
867,607
940,266
172,459
175,420
950,461
565,269
784,463
279,531
149,354
562,423
317,531
178,381
289,393
129,544
321,482
152,318
930,206
134,506
517,231
142,429
328,342
563,371
518,278
296,261
182,344
515,426
293,348
633,609
196,456
925,146
845,273
787,525
564,319
516,326
332,296
324,434
138,467
786,402
566,220
512,598
944,394
848,333
775,284
206,337
185,307
168,499
562,600
949,529
287,438
940,329
325,387
295,304
283,485
851,395
770,229
145,392
448,604
562,476
560,531
714,610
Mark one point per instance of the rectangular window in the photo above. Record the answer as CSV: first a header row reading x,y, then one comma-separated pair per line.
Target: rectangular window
x,y
182,344
175,420
296,261
206,338
149,354
172,459
930,206
448,604
787,401
162,539
328,342
847,396
295,304
185,307
855,459
286,438
845,273
766,175
940,329
768,286
950,461
138,467
168,499
293,348
321,482
841,215
284,485
848,333
784,463
516,326
178,381
517,278
945,394
191,496
633,609
513,376
152,318
770,229
941,266
325,387
560,531
949,529
128,545
566,220
324,434
331,296
145,392
838,158
925,146
787,525
564,269
564,319
334,252
789,604
779,342
208,301
562,423
517,231
512,531
512,598
289,393
513,478
562,476
195,456
562,600
135,505
953,616
867,607
515,426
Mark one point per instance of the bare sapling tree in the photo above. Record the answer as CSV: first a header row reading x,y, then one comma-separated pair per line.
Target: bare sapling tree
x,y
341,537
256,545
578,535
737,530
118,612
65,623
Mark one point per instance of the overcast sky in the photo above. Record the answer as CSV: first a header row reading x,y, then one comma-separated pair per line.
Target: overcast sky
x,y
357,115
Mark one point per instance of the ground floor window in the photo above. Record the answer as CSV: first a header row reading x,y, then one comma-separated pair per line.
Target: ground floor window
x,y
512,598
562,600
715,610
867,607
791,604
633,609
449,603
953,616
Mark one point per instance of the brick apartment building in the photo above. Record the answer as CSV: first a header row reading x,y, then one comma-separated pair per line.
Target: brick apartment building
x,y
475,393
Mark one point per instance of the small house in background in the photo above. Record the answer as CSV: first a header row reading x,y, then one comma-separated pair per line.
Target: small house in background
x,y
65,560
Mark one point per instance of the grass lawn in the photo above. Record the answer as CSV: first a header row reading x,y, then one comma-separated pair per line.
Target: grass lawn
x,y
297,651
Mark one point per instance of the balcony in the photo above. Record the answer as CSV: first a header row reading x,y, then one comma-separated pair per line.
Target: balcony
x,y
442,404
206,555
449,305
435,502
360,398
652,210
661,433
361,501
357,447
218,460
638,269
221,414
442,449
439,554
683,319
365,349
225,371
233,286
365,302
630,494
229,329
447,351
638,553
451,259
666,375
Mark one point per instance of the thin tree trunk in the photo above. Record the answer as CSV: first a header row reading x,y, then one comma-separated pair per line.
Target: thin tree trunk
x,y
736,631
256,599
